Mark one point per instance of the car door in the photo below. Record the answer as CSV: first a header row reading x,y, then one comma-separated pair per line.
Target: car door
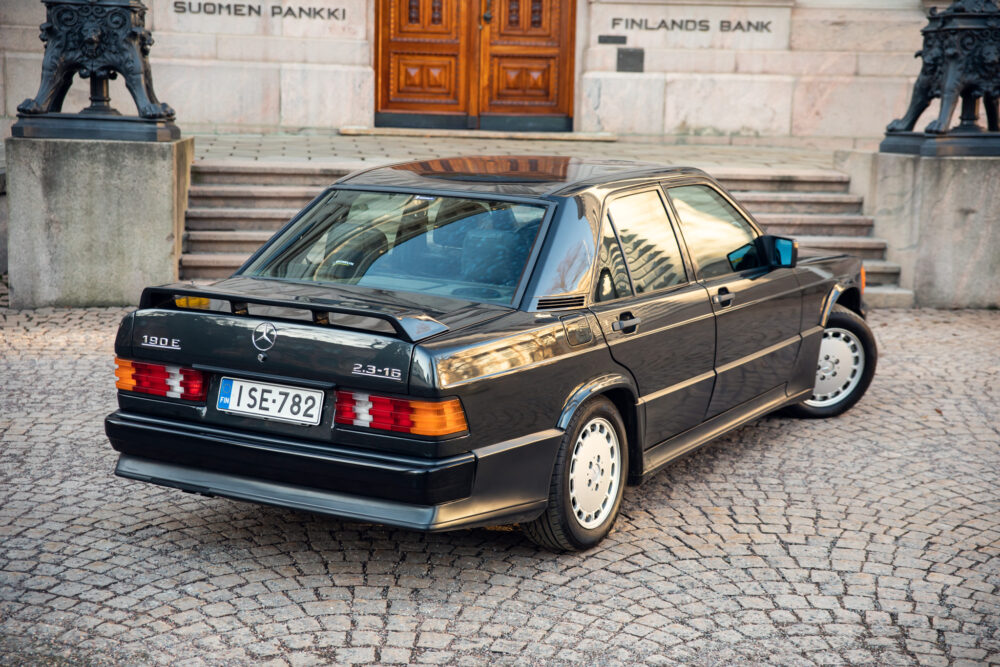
x,y
757,309
658,322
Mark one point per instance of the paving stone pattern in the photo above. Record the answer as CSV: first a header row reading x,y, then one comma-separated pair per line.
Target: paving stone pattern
x,y
869,539
382,149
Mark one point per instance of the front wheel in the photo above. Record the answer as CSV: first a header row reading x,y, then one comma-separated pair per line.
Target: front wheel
x,y
587,482
846,365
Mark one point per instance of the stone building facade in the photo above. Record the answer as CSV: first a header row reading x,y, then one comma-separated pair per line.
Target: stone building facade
x,y
827,72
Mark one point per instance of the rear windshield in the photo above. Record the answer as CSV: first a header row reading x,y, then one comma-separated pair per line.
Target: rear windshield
x,y
472,249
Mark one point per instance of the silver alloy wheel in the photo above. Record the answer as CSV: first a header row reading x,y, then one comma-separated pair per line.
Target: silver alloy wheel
x,y
595,471
840,367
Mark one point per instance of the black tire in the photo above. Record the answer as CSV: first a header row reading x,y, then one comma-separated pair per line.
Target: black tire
x,y
831,405
560,528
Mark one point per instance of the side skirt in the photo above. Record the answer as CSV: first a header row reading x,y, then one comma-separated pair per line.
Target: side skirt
x,y
660,455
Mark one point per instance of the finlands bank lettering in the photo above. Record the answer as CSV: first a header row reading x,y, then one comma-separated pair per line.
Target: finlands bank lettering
x,y
690,25
247,9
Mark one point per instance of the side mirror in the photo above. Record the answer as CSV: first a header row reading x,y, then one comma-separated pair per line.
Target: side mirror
x,y
778,251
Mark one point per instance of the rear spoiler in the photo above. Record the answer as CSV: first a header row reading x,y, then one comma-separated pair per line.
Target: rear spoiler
x,y
410,326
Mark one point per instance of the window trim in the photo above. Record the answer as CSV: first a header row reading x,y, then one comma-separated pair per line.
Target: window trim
x,y
666,186
671,220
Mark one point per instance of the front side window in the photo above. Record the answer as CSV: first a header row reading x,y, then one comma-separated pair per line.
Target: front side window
x,y
473,249
648,241
719,239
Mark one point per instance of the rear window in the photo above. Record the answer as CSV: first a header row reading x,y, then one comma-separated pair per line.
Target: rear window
x,y
472,249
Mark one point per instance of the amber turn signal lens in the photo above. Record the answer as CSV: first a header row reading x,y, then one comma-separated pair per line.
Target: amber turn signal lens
x,y
124,371
437,418
196,302
864,279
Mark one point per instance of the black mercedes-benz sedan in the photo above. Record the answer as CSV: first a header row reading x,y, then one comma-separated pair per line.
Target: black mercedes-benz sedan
x,y
486,340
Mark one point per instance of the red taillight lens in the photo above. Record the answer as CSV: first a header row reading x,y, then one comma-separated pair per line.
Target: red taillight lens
x,y
434,418
192,385
160,380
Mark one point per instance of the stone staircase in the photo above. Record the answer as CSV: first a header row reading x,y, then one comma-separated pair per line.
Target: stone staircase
x,y
233,208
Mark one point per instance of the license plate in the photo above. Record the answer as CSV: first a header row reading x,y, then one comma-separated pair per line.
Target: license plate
x,y
270,401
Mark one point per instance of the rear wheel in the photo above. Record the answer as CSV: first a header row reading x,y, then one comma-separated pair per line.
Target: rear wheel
x,y
846,365
587,482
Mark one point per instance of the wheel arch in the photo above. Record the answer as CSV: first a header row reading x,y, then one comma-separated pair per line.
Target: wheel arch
x,y
847,296
850,298
621,391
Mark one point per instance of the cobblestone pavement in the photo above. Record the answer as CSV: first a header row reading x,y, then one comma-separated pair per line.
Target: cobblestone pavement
x,y
872,538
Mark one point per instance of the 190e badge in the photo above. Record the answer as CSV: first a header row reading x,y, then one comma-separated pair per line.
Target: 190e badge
x,y
161,342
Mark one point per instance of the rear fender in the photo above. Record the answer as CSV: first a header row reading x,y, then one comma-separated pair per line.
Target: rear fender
x,y
621,391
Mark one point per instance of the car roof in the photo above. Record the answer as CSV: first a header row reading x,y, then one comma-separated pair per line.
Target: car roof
x,y
522,175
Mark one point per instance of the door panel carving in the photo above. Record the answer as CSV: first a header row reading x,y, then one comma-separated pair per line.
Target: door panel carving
x,y
474,58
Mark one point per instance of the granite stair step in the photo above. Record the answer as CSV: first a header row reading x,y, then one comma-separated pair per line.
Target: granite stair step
x,y
889,296
248,172
881,272
242,219
815,224
800,202
863,247
226,242
746,180
214,265
251,196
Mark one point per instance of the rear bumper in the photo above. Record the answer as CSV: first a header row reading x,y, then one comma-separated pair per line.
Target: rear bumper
x,y
506,482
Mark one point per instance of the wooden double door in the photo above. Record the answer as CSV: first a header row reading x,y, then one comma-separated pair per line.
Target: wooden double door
x,y
468,64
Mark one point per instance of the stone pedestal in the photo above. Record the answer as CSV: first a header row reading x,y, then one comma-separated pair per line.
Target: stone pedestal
x,y
941,220
93,222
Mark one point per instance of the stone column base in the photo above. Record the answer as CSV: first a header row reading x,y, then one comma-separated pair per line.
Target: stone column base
x,y
93,222
941,220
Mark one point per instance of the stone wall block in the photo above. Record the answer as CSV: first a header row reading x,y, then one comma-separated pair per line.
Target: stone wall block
x,y
736,104
320,19
216,93
27,13
324,96
94,222
181,45
847,106
622,102
856,30
20,38
604,20
889,64
690,61
812,63
294,51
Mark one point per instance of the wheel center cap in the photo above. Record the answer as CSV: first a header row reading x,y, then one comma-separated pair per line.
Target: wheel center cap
x,y
595,473
826,366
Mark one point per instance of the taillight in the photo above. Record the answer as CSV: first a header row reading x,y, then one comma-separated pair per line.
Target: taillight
x,y
433,418
160,380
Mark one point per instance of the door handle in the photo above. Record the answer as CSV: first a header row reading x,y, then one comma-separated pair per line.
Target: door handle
x,y
488,14
724,298
625,323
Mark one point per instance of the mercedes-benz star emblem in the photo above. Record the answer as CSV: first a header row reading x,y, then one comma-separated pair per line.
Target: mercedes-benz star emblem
x,y
264,336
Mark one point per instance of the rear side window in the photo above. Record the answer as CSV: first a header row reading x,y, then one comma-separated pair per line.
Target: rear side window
x,y
648,241
719,239
474,249
612,278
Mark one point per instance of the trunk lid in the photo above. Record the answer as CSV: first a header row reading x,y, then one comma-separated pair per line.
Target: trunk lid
x,y
322,335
